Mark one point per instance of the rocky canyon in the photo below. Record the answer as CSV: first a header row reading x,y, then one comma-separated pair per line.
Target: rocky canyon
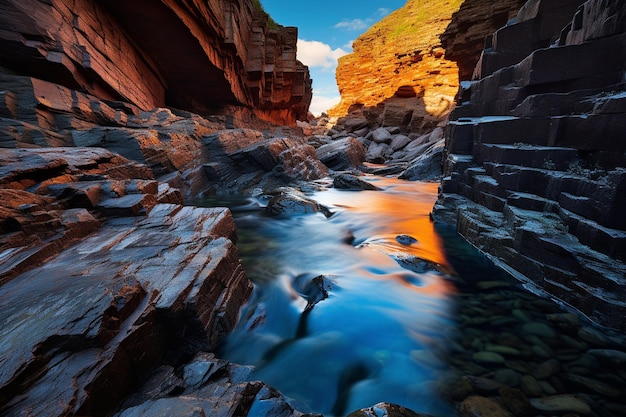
x,y
117,118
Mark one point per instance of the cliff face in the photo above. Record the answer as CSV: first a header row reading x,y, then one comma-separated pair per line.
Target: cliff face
x,y
534,172
212,57
404,71
400,66
464,38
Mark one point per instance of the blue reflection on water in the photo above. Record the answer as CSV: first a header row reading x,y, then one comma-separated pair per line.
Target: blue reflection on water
x,y
379,334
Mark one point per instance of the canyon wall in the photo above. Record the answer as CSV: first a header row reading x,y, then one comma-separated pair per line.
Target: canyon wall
x,y
215,57
464,37
398,73
534,173
405,69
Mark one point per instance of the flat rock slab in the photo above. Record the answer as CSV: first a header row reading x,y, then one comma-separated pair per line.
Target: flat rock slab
x,y
78,333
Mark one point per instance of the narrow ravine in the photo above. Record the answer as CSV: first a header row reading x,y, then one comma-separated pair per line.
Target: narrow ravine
x,y
377,304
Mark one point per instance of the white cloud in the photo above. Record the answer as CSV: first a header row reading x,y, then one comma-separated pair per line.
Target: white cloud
x,y
354,24
348,45
383,11
318,54
320,104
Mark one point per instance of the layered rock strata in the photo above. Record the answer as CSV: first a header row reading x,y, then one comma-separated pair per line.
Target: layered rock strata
x,y
216,57
194,154
535,153
398,74
104,275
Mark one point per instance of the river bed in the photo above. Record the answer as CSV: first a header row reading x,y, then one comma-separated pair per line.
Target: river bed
x,y
377,304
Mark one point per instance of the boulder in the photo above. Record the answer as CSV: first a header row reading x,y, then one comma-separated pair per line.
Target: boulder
x,y
427,166
342,154
352,182
196,388
291,204
386,410
381,135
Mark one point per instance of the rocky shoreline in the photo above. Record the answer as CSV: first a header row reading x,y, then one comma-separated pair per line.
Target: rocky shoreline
x,y
115,288
99,239
120,275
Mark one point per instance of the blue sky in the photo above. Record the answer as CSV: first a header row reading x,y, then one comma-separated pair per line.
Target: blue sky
x,y
326,30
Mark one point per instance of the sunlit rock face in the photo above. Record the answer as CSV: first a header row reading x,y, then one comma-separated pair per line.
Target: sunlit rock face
x,y
535,154
398,73
215,57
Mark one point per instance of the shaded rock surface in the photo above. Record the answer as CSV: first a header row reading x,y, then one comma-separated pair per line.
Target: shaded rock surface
x,y
464,37
534,169
206,385
216,57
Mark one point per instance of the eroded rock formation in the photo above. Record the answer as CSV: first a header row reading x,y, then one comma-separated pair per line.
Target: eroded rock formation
x,y
536,155
216,57
104,276
398,74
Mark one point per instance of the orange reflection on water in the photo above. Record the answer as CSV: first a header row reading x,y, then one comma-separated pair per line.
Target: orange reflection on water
x,y
403,209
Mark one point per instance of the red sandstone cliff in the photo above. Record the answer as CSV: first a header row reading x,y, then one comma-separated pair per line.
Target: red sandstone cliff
x,y
215,57
400,61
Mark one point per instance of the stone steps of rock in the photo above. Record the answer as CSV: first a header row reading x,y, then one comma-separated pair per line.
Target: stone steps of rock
x,y
545,157
560,185
611,242
538,245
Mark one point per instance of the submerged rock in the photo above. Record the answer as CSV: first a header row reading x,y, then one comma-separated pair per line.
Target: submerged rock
x,y
561,404
352,182
482,407
386,410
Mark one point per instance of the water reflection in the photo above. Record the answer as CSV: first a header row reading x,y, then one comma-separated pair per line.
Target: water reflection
x,y
375,304
376,332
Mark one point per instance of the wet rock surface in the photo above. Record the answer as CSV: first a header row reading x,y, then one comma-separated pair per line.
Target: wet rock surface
x,y
113,306
105,276
206,385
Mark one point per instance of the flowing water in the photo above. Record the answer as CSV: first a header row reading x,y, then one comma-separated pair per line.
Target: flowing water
x,y
376,304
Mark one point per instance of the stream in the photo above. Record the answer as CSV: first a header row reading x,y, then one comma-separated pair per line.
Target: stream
x,y
377,304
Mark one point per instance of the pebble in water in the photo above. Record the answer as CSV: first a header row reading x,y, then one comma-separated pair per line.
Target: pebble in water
x,y
406,240
553,359
561,404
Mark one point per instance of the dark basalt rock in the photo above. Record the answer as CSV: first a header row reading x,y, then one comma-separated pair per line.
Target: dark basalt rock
x,y
534,161
342,154
289,204
352,182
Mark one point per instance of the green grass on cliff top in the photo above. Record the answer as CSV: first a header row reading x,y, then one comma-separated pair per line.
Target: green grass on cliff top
x,y
271,23
411,24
